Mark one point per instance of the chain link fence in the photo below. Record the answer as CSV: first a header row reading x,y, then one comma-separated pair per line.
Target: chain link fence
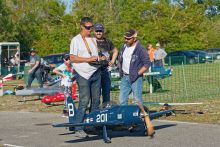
x,y
188,83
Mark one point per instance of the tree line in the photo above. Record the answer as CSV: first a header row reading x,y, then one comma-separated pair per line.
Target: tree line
x,y
44,25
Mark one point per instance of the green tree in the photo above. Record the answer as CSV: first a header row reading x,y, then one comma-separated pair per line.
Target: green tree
x,y
6,23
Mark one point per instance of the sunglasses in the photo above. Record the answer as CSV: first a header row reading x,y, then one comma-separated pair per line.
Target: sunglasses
x,y
128,38
98,31
88,27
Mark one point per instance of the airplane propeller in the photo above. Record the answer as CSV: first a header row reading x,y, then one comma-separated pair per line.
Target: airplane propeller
x,y
149,125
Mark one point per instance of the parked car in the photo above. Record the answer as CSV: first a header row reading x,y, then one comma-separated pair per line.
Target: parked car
x,y
183,57
203,54
214,53
54,59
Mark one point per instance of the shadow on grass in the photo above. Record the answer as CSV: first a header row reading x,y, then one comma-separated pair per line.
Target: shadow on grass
x,y
53,104
29,100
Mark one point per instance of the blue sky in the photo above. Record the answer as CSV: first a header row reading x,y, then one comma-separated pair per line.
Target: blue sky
x,y
68,4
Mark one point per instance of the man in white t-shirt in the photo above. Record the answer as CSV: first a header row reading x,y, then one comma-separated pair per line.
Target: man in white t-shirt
x,y
83,50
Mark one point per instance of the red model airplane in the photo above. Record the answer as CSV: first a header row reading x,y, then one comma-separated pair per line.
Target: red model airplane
x,y
59,96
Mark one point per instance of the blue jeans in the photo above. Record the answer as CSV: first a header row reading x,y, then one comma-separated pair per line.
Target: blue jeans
x,y
35,74
105,85
88,90
126,87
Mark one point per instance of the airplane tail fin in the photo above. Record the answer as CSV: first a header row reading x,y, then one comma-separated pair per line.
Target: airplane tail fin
x,y
71,109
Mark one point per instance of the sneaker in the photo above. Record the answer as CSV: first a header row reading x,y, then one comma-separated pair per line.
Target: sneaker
x,y
81,134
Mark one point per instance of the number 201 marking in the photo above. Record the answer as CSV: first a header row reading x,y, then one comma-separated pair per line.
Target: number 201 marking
x,y
102,117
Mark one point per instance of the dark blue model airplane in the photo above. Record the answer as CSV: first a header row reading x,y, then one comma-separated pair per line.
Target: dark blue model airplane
x,y
114,118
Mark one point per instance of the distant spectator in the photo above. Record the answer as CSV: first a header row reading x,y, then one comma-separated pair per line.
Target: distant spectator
x,y
13,65
151,51
35,71
155,83
159,56
17,58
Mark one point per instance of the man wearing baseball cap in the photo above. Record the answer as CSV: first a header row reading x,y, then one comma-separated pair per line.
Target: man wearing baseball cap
x,y
133,62
159,56
105,47
35,69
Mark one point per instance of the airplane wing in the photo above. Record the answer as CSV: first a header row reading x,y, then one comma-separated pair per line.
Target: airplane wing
x,y
38,91
171,104
159,114
89,124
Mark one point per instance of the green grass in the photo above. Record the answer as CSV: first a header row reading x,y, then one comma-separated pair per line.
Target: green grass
x,y
188,83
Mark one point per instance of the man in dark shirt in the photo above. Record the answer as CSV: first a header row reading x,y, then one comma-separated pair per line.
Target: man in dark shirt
x,y
35,69
105,46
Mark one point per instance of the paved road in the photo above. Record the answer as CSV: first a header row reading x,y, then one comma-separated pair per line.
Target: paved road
x,y
34,130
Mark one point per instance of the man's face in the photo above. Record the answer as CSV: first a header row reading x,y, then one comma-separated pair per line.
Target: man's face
x,y
149,47
33,53
99,34
129,41
87,28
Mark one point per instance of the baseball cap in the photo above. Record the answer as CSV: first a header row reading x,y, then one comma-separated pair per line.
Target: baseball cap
x,y
158,45
66,56
99,27
130,33
33,50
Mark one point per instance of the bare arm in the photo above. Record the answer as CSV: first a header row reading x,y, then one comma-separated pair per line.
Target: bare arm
x,y
57,71
142,70
77,59
35,66
114,56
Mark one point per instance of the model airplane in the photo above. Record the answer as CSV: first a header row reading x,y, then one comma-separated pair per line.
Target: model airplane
x,y
113,118
11,76
49,94
48,99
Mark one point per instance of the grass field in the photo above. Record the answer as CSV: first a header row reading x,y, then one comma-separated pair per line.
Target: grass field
x,y
188,83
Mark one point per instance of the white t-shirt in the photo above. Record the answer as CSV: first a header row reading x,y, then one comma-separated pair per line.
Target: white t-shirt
x,y
127,58
68,75
78,48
